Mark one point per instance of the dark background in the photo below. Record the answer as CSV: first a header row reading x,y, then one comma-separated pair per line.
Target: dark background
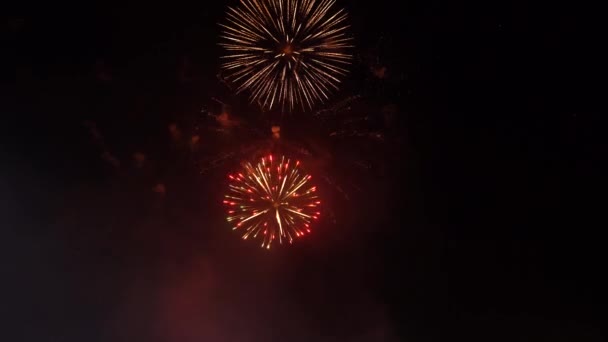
x,y
464,229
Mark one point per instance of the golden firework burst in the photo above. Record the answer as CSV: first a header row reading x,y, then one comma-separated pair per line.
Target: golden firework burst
x,y
286,52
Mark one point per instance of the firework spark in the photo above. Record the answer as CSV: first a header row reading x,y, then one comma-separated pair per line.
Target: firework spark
x,y
273,200
286,52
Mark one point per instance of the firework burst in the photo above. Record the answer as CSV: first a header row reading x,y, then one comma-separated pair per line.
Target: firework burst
x,y
286,52
273,200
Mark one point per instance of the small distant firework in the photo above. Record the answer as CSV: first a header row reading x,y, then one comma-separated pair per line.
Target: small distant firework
x,y
273,200
286,52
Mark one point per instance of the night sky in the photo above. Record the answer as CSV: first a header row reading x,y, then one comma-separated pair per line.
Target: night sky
x,y
449,180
